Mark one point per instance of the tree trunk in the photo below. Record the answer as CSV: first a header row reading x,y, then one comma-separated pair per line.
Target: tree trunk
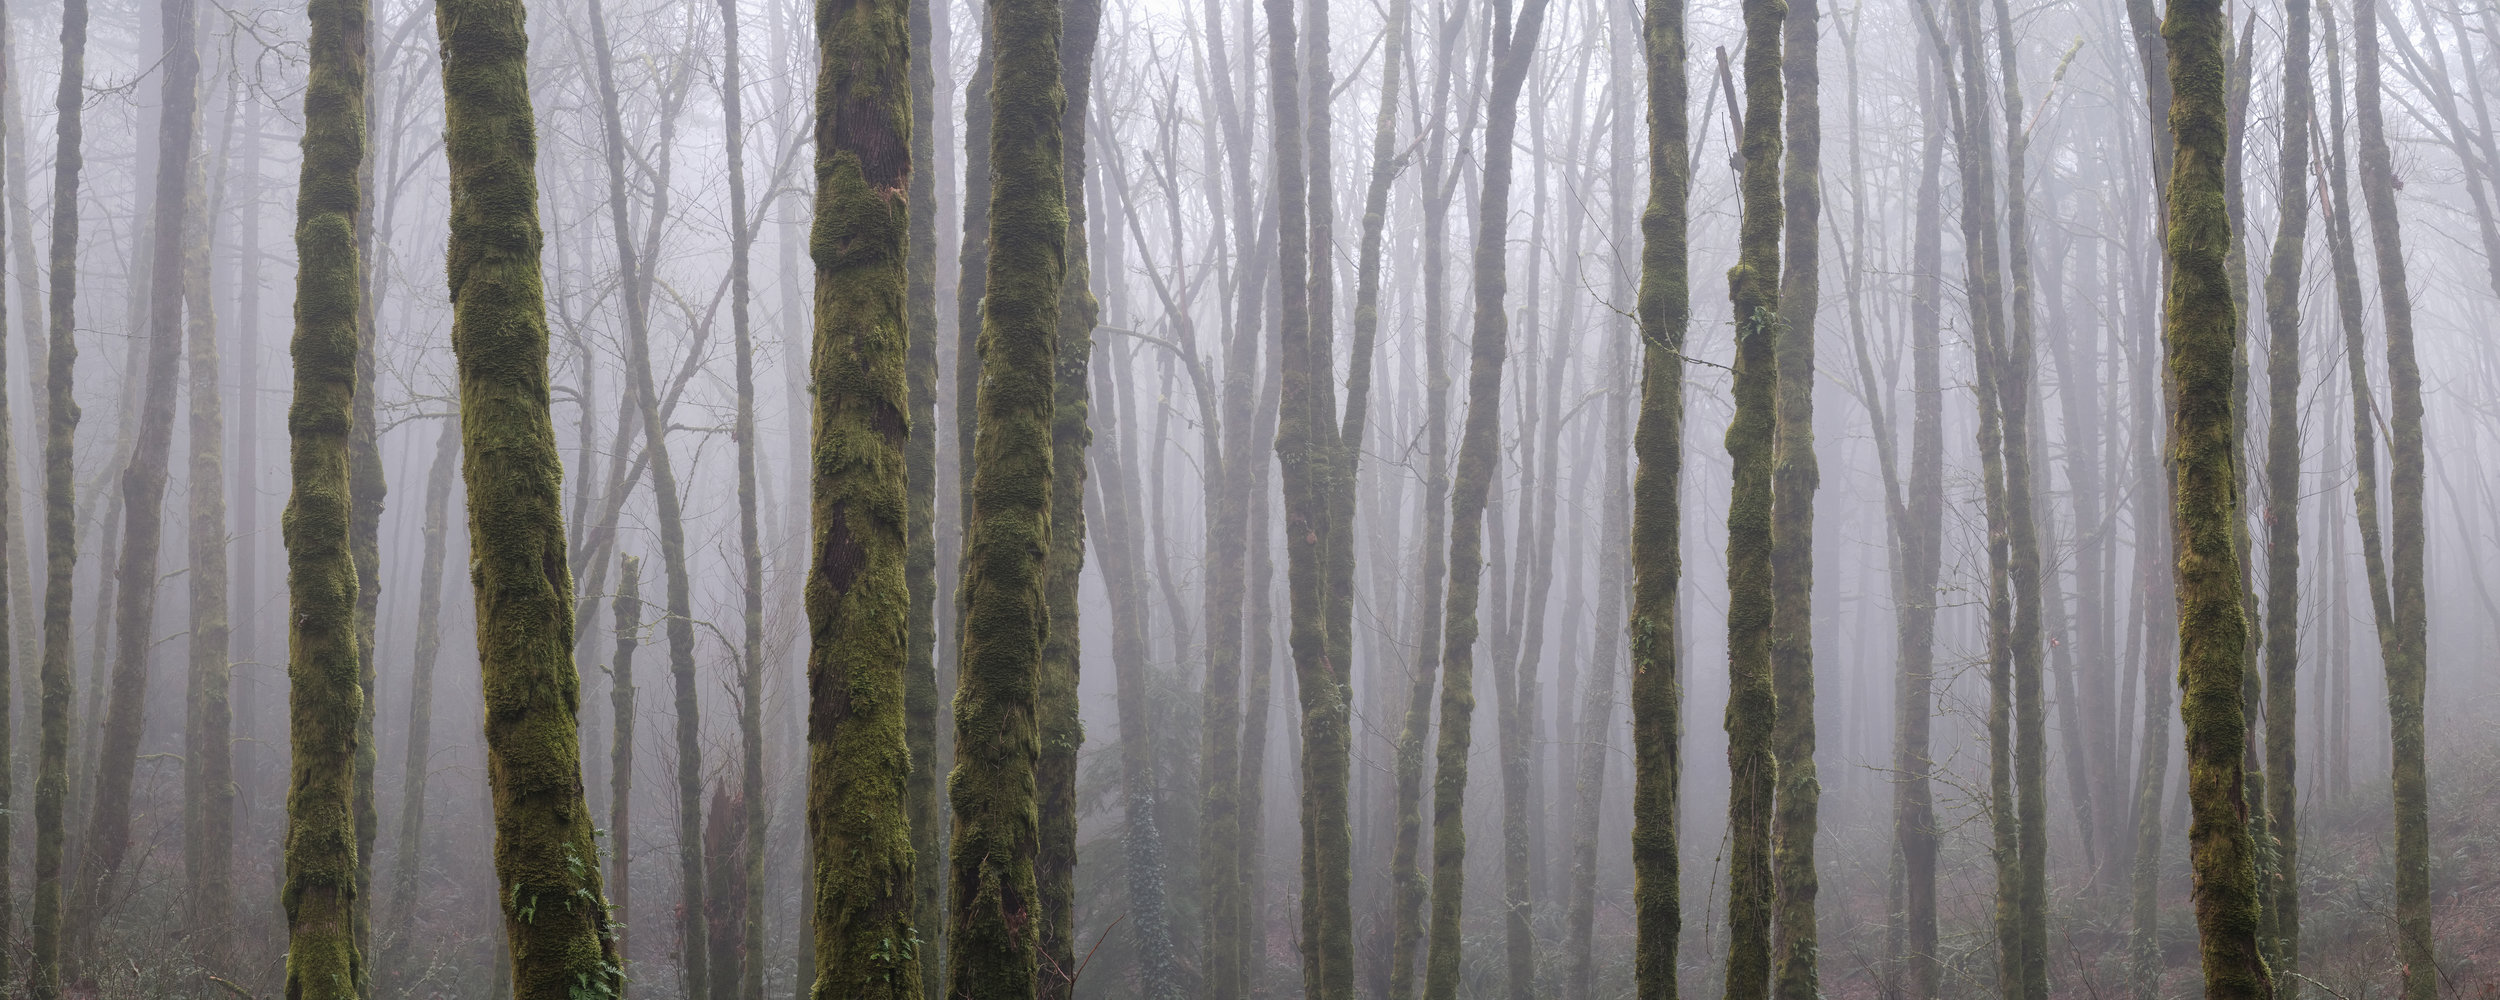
x,y
546,859
1665,309
1753,702
419,756
922,699
1794,478
628,611
143,489
208,729
692,907
2282,641
1061,733
750,984
318,893
993,931
2200,336
2404,625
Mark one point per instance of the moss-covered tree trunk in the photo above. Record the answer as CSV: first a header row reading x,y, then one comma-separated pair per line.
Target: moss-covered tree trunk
x,y
546,860
143,489
1794,479
1665,309
1752,708
922,700
325,696
2200,340
60,483
993,931
1061,732
2404,628
2282,641
417,760
693,906
15,595
628,617
750,982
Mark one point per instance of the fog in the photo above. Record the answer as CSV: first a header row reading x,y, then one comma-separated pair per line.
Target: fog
x,y
1190,667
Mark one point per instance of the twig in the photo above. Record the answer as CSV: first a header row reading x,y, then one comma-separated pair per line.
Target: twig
x,y
232,988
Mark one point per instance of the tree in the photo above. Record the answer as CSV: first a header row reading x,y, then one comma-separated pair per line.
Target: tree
x,y
992,934
325,695
2282,649
546,862
1665,310
60,486
1514,45
208,726
628,611
143,488
1753,699
2199,339
2403,612
750,984
418,756
1794,478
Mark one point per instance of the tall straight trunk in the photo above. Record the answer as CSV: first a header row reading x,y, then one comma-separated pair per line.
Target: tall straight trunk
x,y
2404,625
1514,46
60,484
2016,360
1665,310
1753,699
1062,734
2349,303
247,480
1406,942
1112,508
2200,339
546,860
692,918
2282,640
627,609
208,728
420,740
324,695
1599,682
15,595
921,696
993,934
750,984
143,489
1917,517
1794,478
366,490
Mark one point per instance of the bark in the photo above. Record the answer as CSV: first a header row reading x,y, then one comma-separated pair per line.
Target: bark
x,y
628,611
1515,46
993,930
1112,510
15,595
1062,735
325,696
724,856
2282,640
921,696
693,910
1665,310
546,861
1410,888
750,984
1753,704
2404,623
419,755
1794,479
143,490
2200,338
2017,361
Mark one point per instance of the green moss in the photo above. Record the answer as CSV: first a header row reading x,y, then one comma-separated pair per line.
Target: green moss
x,y
994,924
325,695
555,916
